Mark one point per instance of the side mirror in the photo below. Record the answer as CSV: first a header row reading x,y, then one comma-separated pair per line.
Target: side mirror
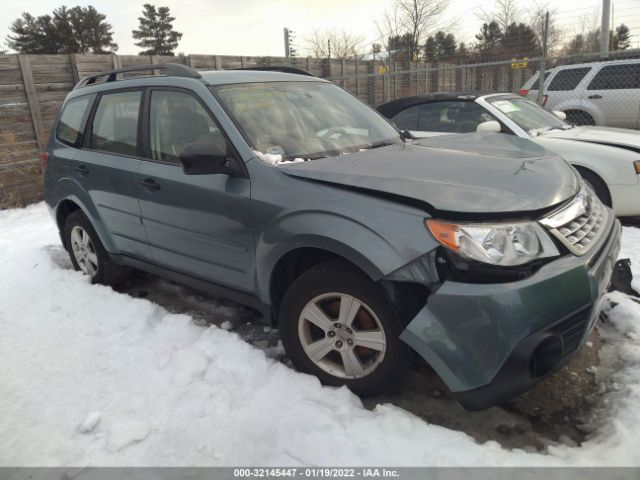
x,y
201,158
560,115
490,126
406,134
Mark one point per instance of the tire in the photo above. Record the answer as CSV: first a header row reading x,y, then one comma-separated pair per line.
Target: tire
x,y
597,184
87,252
578,117
341,359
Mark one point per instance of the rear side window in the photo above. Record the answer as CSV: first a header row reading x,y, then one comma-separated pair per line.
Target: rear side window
x,y
615,77
115,124
532,83
72,120
567,79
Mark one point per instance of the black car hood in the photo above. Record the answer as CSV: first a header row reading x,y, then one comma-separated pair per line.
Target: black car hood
x,y
466,174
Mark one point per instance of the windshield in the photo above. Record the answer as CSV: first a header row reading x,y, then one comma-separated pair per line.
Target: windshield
x,y
304,119
527,114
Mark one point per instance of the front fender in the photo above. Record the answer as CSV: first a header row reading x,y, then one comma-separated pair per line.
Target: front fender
x,y
332,232
613,165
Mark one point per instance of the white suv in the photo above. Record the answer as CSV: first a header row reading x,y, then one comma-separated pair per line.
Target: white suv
x,y
597,93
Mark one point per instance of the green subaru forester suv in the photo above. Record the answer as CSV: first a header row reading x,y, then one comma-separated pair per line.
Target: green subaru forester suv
x,y
485,255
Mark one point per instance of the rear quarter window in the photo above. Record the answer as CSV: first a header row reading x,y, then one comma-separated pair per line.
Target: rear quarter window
x,y
567,79
72,120
617,77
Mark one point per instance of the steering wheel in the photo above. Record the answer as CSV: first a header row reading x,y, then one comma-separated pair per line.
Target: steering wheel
x,y
333,131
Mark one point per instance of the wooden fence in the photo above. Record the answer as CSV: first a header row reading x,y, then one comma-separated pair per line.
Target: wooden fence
x,y
33,87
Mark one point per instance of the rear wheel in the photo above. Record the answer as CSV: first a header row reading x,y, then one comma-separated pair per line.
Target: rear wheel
x,y
87,252
339,325
578,117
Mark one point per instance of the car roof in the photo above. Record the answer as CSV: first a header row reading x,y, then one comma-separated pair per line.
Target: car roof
x,y
224,77
176,72
598,63
391,108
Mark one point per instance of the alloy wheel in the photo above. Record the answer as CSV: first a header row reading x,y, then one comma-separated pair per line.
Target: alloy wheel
x,y
342,335
83,251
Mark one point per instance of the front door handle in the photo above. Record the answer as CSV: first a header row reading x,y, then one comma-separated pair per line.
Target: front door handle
x,y
150,184
82,170
595,97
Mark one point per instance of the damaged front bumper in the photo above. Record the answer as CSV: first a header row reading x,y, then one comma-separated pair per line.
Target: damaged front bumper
x,y
491,342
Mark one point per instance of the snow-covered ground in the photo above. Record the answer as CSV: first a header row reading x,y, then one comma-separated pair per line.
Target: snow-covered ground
x,y
89,376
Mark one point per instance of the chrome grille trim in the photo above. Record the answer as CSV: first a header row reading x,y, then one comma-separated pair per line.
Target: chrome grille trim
x,y
579,224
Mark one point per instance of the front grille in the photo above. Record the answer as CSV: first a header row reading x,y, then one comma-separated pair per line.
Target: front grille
x,y
572,330
580,224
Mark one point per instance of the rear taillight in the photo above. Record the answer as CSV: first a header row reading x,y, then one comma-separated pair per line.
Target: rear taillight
x,y
44,156
636,165
544,99
523,91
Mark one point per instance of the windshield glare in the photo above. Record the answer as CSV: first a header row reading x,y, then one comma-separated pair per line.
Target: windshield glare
x,y
527,114
304,119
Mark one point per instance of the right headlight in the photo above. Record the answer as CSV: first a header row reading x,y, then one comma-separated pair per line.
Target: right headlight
x,y
502,244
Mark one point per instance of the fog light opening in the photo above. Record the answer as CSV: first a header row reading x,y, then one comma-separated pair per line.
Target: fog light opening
x,y
545,357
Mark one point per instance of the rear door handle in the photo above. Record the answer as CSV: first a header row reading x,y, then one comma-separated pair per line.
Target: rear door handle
x,y
595,97
150,184
82,170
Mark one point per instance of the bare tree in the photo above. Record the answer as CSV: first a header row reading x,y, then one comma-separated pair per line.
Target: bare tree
x,y
413,18
504,14
536,20
334,44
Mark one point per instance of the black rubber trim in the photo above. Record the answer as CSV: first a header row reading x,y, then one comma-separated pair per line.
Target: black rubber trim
x,y
514,376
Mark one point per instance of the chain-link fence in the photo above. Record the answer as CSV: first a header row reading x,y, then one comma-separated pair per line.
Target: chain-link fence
x,y
589,89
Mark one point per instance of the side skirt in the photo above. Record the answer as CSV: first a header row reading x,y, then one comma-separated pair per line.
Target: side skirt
x,y
196,283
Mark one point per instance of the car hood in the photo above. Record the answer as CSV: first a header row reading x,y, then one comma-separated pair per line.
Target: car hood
x,y
616,137
466,174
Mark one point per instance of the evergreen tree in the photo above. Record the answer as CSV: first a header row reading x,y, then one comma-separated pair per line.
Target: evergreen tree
x,y
489,38
75,30
520,39
156,33
622,38
440,47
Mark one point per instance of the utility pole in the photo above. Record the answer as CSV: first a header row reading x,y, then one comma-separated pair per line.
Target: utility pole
x,y
543,59
604,28
289,50
286,42
329,47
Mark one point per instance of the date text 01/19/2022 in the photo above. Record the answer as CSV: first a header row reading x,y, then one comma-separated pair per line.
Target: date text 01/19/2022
x,y
315,473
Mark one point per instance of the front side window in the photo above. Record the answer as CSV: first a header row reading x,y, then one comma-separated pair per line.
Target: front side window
x,y
454,116
72,120
616,77
115,124
304,119
408,118
527,114
177,119
451,116
567,79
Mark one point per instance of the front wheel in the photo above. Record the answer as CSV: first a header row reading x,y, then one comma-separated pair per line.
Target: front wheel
x,y
339,326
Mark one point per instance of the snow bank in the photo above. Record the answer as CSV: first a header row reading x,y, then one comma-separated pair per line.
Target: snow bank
x,y
92,377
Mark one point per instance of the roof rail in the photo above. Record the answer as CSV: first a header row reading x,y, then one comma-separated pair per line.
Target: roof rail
x,y
282,68
173,70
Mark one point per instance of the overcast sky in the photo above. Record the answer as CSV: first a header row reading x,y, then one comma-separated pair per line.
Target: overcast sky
x,y
254,27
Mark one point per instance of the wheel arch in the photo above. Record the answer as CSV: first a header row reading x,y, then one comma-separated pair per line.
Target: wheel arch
x,y
590,171
73,201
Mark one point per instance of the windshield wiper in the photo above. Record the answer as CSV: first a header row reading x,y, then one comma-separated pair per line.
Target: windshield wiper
x,y
386,143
